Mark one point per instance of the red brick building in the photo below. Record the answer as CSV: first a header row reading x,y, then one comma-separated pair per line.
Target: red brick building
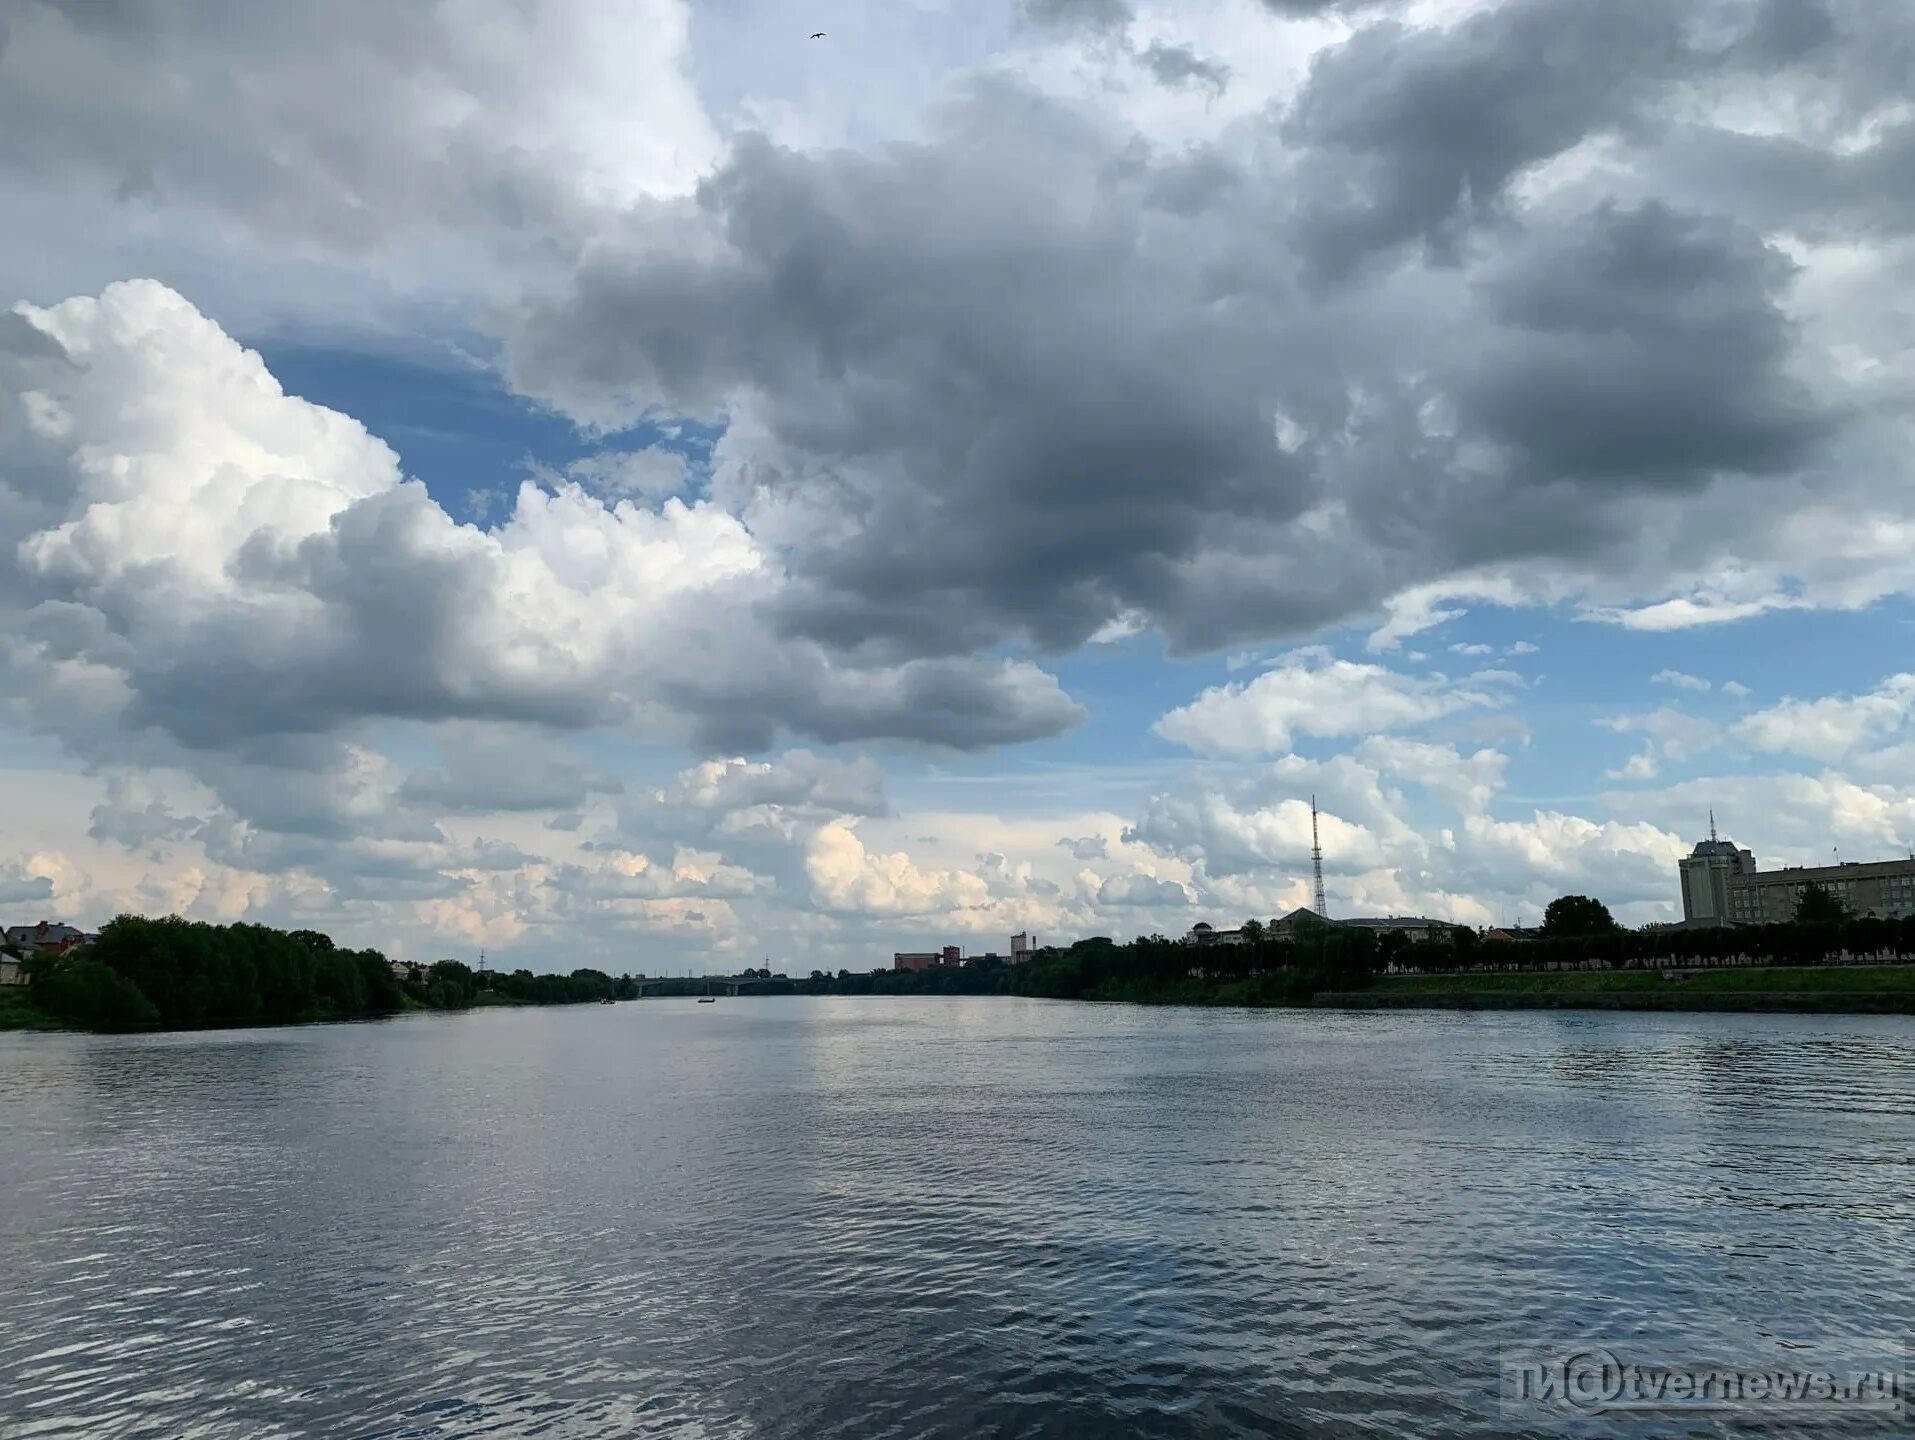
x,y
925,959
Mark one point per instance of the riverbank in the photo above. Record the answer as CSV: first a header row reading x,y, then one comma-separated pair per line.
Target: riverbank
x,y
1813,989
18,1013
175,974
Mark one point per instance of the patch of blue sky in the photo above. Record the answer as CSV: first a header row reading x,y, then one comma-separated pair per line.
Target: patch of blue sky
x,y
457,429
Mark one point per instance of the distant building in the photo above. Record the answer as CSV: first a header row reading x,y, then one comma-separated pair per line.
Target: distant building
x,y
1416,927
1512,932
12,972
926,959
48,937
1297,922
1706,874
1020,948
1880,888
1722,886
1303,920
1204,934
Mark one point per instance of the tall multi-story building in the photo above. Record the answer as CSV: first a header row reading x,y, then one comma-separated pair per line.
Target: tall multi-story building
x,y
1882,888
1706,872
1721,886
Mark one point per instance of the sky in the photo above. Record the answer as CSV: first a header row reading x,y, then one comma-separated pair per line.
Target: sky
x,y
623,483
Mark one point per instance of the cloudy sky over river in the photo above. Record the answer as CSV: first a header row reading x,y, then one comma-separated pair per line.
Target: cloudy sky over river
x,y
628,480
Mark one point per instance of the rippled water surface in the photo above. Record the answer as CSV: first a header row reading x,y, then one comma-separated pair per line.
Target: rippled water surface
x,y
872,1217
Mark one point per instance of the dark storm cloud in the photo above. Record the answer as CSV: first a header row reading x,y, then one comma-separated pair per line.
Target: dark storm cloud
x,y
940,701
486,771
980,361
313,787
397,871
394,638
134,825
1415,134
20,338
1784,31
17,887
1092,15
1642,345
402,616
1817,190
1176,65
1615,352
1028,375
1290,9
130,17
353,129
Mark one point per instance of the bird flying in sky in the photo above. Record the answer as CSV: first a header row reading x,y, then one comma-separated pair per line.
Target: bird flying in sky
x,y
817,34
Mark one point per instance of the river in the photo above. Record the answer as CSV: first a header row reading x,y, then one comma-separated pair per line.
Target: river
x,y
935,1217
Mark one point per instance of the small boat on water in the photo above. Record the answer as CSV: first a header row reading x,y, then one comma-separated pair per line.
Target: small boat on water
x,y
707,999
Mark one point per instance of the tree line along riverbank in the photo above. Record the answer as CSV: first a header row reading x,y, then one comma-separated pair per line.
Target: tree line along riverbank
x,y
172,973
182,974
1826,960
1834,987
1807,966
1858,965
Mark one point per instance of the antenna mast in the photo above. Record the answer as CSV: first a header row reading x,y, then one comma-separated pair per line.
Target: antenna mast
x,y
1712,825
1316,862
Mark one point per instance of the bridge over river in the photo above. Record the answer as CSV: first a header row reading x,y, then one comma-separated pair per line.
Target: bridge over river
x,y
713,985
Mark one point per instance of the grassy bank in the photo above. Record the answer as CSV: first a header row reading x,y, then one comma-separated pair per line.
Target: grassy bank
x,y
1810,989
1264,990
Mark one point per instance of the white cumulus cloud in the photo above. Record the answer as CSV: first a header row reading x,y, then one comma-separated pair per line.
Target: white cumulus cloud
x,y
230,561
1835,725
1310,692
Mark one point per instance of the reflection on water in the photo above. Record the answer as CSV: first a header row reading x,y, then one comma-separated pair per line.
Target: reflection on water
x,y
926,1217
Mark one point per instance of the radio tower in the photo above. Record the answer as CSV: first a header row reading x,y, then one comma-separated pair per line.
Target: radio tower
x,y
1316,862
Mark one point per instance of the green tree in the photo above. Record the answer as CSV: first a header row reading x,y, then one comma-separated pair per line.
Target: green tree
x,y
1819,905
383,993
1252,932
1392,945
1578,915
1350,958
86,992
451,984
